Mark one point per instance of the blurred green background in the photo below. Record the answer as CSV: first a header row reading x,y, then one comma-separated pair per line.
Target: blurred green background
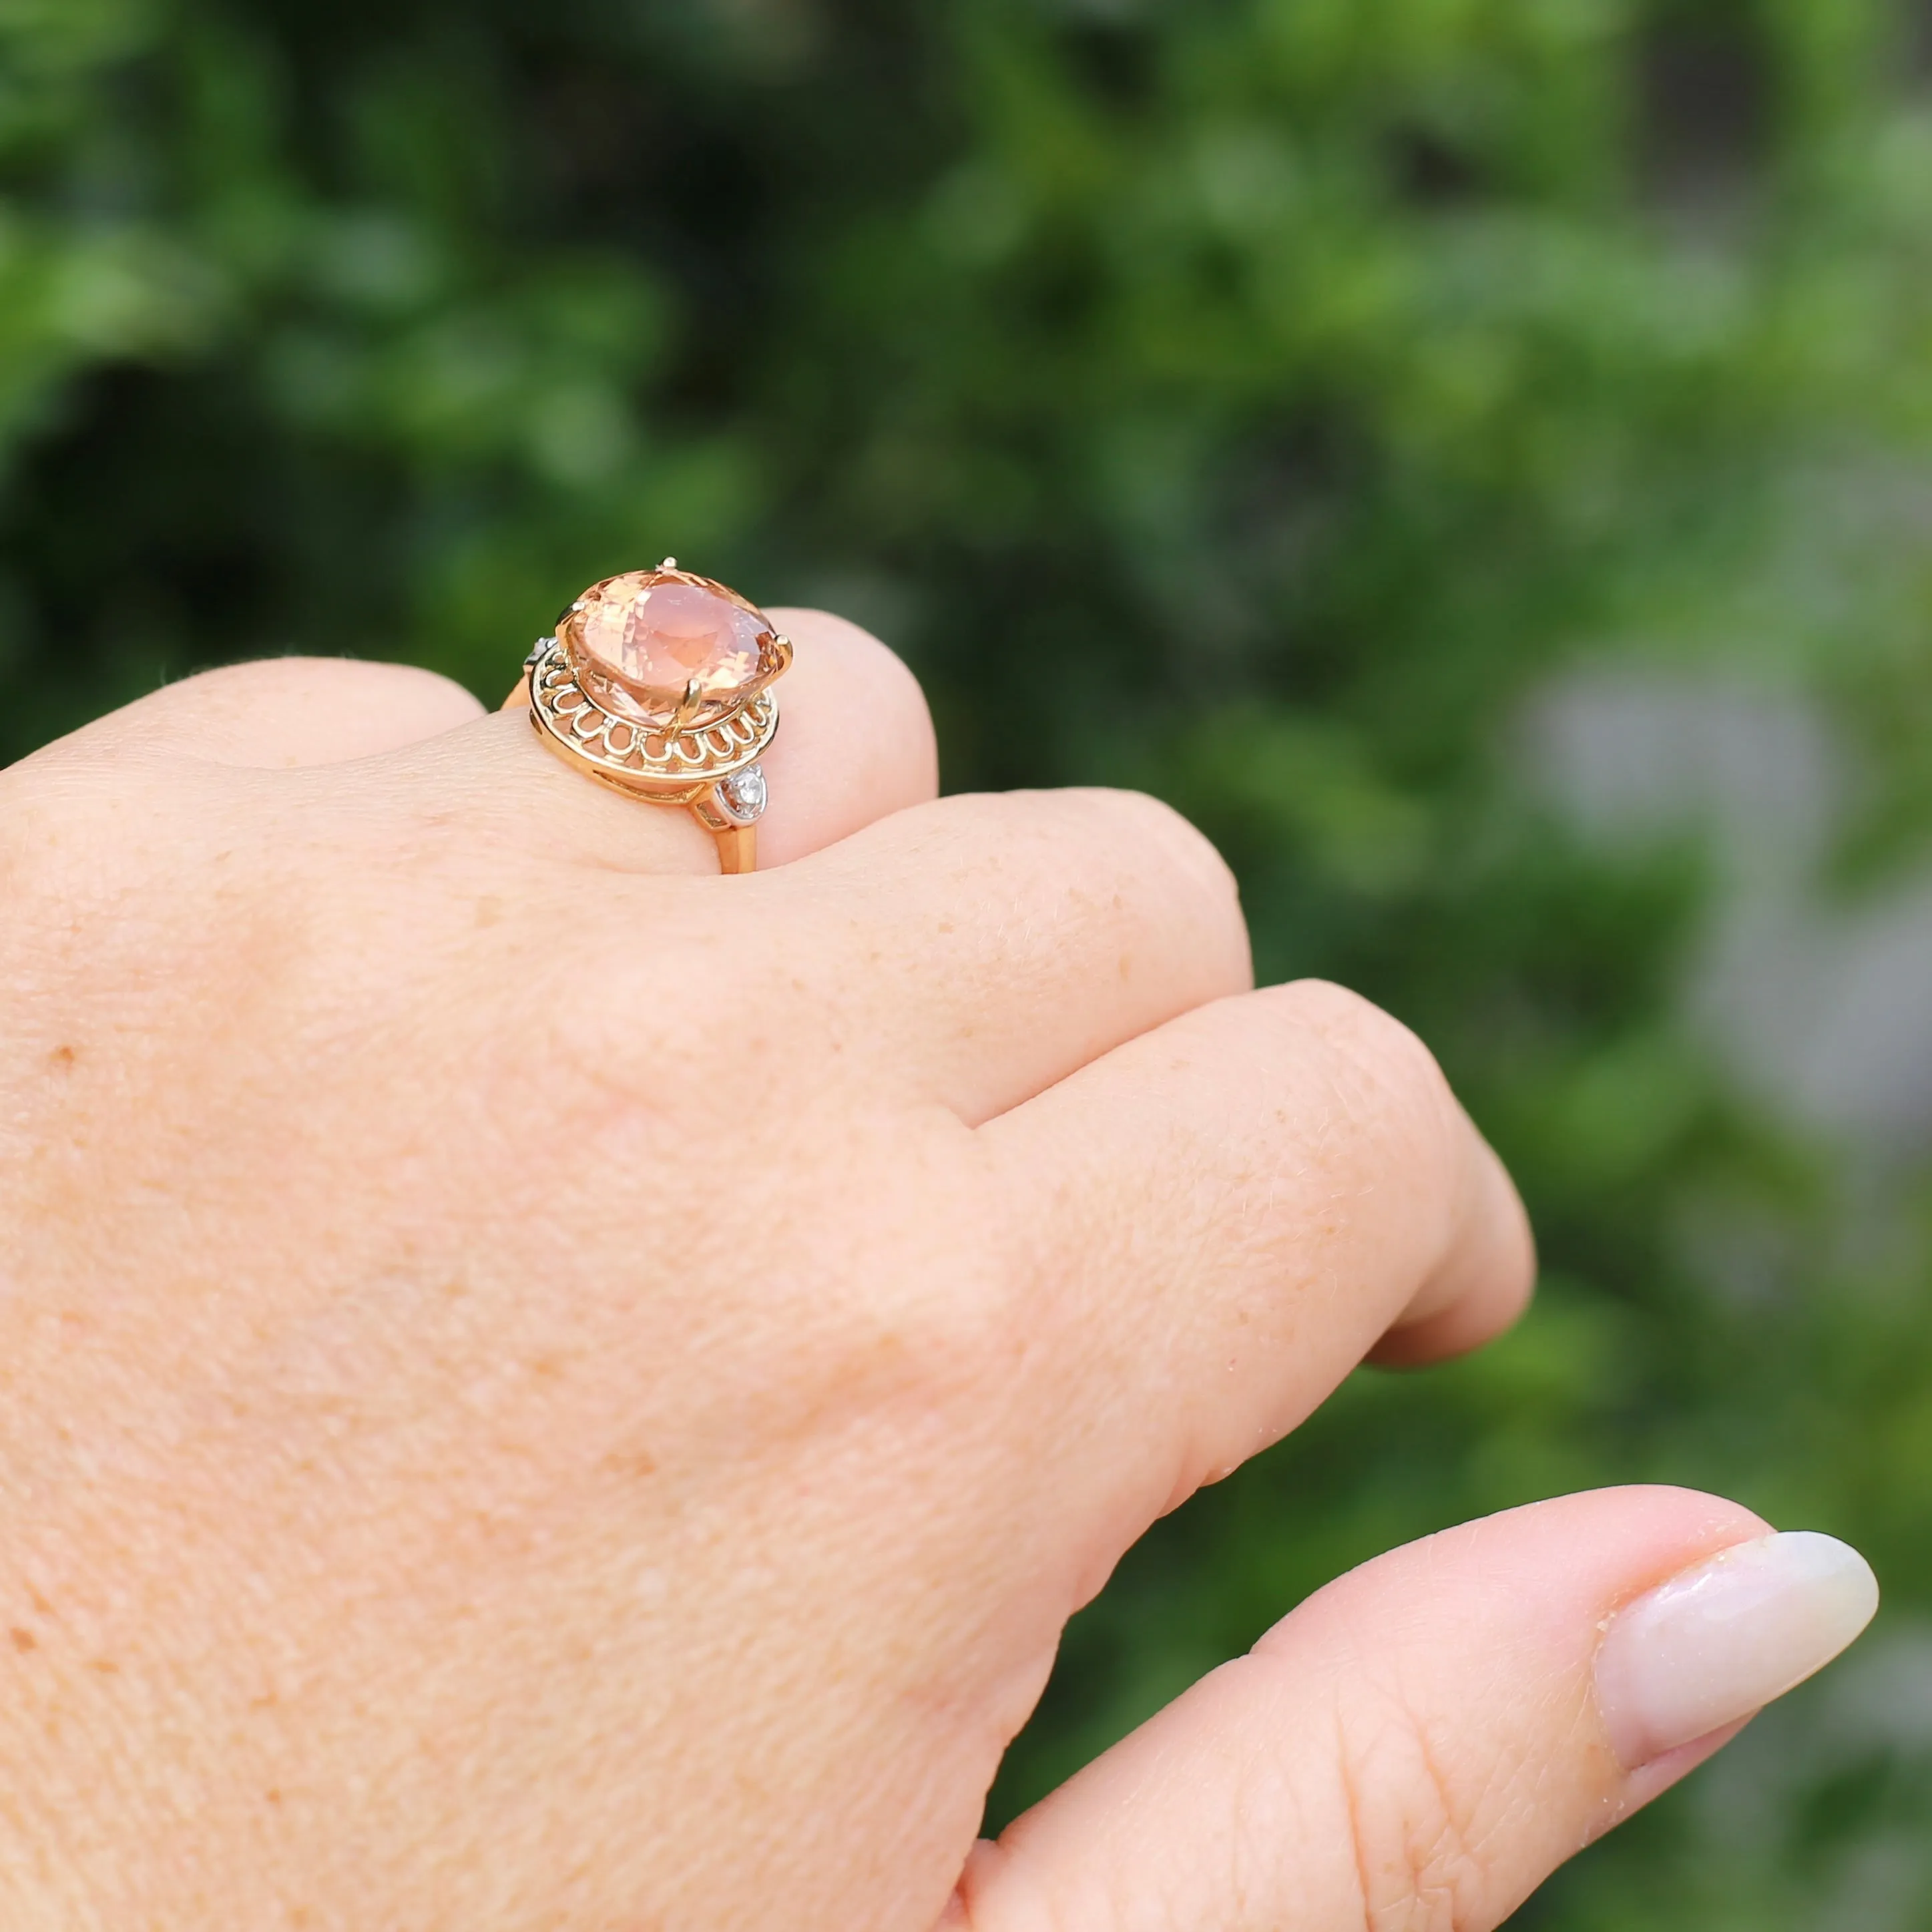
x,y
1474,456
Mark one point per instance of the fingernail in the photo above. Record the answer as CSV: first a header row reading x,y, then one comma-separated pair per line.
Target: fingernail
x,y
1724,1639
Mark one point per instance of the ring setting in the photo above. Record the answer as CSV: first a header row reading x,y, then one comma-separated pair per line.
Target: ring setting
x,y
656,682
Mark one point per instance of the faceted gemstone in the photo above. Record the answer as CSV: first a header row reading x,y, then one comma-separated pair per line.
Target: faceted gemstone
x,y
651,641
742,794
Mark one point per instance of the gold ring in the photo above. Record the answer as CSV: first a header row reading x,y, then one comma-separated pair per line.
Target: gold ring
x,y
655,683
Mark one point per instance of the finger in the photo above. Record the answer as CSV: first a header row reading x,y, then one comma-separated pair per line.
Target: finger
x,y
855,744
985,946
857,741
279,713
1230,1211
1424,1741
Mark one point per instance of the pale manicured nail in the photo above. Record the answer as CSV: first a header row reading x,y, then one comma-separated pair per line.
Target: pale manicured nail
x,y
1722,1640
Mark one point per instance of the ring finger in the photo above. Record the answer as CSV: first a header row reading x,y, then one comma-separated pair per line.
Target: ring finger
x,y
855,744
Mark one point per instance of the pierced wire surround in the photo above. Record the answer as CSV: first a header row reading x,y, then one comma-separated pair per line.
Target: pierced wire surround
x,y
671,767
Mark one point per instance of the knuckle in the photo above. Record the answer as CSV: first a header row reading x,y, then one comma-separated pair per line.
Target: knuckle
x,y
243,679
226,707
1382,1069
270,676
785,1027
118,921
229,694
1152,832
905,1325
1418,1837
960,1301
77,838
882,683
879,659
952,1317
1123,851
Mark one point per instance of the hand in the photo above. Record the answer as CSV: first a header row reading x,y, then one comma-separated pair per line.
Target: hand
x,y
546,1389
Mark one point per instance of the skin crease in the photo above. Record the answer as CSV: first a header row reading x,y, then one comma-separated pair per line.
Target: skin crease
x,y
544,1389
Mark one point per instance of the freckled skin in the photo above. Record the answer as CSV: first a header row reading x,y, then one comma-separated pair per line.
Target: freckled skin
x,y
548,1391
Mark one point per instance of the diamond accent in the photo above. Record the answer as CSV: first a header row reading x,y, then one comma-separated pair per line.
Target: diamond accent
x,y
742,796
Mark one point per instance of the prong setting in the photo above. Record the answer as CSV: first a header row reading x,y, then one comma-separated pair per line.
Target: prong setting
x,y
655,683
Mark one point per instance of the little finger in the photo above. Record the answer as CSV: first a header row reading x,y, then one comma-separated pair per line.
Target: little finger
x,y
1229,1212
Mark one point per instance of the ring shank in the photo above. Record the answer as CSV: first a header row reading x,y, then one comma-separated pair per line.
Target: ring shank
x,y
737,845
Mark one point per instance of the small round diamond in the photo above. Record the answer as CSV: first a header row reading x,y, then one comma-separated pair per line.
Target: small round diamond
x,y
742,795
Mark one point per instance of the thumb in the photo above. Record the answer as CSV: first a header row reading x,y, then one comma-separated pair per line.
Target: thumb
x,y
1425,1741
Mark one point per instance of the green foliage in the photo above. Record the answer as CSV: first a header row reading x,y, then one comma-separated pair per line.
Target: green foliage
x,y
1316,381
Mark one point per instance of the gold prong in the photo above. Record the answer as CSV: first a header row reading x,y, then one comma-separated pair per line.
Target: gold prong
x,y
689,705
781,649
669,563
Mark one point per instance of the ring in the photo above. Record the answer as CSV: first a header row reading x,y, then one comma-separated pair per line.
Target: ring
x,y
655,683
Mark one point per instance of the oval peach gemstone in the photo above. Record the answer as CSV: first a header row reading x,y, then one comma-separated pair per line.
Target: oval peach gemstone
x,y
652,637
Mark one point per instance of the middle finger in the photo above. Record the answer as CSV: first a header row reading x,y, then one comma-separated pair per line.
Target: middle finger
x,y
985,946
